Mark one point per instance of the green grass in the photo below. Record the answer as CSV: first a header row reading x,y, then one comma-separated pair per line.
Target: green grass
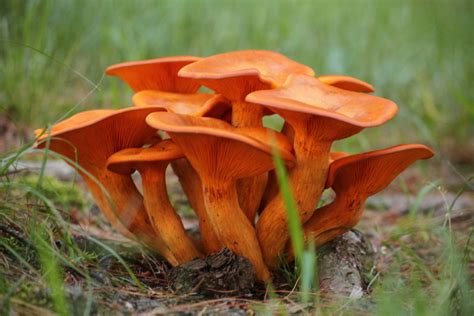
x,y
37,232
417,53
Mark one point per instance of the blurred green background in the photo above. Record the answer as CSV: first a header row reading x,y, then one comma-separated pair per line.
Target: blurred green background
x,y
418,53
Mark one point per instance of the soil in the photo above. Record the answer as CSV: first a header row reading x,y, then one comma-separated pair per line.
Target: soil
x,y
221,274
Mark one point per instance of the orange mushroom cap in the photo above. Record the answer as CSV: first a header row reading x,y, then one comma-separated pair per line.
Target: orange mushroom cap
x,y
80,119
347,83
198,104
155,74
373,171
97,134
237,73
128,160
303,95
192,127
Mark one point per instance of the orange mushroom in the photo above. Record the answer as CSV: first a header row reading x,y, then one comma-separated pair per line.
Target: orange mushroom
x,y
347,83
355,178
234,75
221,154
92,136
155,74
318,114
198,104
342,82
151,163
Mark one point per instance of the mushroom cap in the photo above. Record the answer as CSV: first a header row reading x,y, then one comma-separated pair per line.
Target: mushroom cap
x,y
347,83
257,69
373,171
95,135
79,119
155,74
217,148
198,104
302,95
128,160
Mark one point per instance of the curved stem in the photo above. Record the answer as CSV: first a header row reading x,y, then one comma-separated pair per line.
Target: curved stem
x,y
163,217
250,190
245,114
192,187
271,189
341,215
307,180
125,210
332,220
233,228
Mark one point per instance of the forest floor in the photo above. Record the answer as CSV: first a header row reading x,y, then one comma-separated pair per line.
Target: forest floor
x,y
420,232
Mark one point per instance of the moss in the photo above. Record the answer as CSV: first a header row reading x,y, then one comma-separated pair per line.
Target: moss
x,y
64,195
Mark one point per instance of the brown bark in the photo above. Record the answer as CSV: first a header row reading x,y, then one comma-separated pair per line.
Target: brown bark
x,y
343,265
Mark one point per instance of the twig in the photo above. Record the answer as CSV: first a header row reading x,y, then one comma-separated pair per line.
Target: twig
x,y
16,234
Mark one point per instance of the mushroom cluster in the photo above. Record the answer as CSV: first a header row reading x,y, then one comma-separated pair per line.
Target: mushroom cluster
x,y
222,155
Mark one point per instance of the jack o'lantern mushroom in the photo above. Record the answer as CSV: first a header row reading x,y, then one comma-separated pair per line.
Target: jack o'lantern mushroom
x,y
318,114
198,104
151,163
92,136
355,178
221,154
155,74
234,75
342,82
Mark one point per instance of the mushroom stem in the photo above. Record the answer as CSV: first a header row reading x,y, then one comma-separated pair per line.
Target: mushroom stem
x,y
232,226
192,187
331,220
272,188
249,190
335,218
307,181
125,210
163,216
245,114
